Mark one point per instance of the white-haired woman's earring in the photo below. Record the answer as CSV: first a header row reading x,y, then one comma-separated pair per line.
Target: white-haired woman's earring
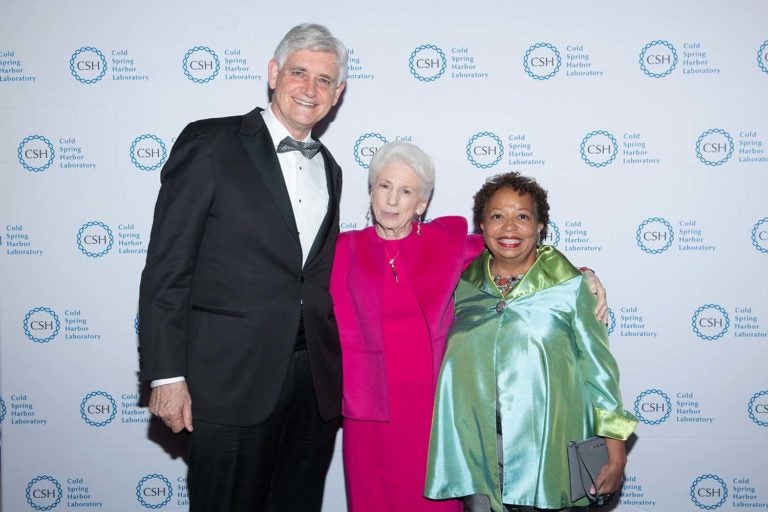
x,y
368,217
418,226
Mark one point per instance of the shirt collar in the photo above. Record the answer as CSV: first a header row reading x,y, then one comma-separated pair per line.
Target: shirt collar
x,y
550,268
276,128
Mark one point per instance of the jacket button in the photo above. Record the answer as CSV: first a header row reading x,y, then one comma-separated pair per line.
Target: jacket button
x,y
301,279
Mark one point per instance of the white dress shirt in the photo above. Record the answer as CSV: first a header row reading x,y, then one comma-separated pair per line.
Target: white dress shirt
x,y
306,183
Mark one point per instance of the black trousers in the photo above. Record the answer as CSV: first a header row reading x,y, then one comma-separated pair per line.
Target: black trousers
x,y
481,502
277,466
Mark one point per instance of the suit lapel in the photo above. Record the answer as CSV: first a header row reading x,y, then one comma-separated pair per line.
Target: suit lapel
x,y
331,179
258,144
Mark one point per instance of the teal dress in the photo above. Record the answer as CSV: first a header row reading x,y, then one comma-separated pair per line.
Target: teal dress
x,y
538,361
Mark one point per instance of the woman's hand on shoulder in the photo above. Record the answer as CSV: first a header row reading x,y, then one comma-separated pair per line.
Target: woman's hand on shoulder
x,y
597,288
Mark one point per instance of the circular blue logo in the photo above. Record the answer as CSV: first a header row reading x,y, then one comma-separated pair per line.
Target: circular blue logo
x,y
427,63
654,235
154,491
599,148
658,59
148,152
366,146
41,324
35,153
95,239
709,492
98,408
3,410
762,57
611,321
43,493
710,322
758,405
760,235
88,65
714,147
553,234
653,406
542,61
201,64
484,150
136,323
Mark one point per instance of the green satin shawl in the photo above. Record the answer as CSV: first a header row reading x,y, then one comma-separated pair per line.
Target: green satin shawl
x,y
543,358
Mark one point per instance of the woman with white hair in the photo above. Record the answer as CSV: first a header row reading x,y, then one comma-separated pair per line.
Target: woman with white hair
x,y
392,286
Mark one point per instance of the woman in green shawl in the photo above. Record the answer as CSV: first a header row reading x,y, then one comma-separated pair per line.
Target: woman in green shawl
x,y
527,368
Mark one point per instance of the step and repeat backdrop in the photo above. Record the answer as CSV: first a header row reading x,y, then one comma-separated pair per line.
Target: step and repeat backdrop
x,y
646,121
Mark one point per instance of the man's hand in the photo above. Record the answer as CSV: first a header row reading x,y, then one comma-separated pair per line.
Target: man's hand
x,y
172,404
596,287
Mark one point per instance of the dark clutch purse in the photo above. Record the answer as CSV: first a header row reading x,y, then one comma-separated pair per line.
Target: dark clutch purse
x,y
585,460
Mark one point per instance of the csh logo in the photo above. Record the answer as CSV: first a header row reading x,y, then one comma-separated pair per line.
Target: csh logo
x,y
708,492
88,65
714,147
598,148
43,493
95,239
553,234
710,322
366,146
35,153
762,57
427,63
3,410
611,321
658,59
542,61
41,324
154,491
148,152
201,64
760,235
757,408
98,408
484,150
653,407
654,235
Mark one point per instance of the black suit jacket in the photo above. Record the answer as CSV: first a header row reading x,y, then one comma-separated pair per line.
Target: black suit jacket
x,y
223,285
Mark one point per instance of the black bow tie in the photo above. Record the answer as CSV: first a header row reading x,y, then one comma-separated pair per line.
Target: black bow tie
x,y
308,149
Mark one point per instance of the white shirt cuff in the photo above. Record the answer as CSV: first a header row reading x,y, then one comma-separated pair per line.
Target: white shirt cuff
x,y
169,380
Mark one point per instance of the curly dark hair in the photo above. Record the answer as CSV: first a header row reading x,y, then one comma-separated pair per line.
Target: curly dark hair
x,y
522,185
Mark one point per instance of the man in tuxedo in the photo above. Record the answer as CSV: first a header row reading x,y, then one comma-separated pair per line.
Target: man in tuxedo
x,y
238,336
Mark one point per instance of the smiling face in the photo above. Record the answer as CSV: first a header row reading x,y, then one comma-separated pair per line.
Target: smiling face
x,y
510,231
305,89
395,199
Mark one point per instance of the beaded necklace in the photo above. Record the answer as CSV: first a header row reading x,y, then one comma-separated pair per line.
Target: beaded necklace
x,y
506,283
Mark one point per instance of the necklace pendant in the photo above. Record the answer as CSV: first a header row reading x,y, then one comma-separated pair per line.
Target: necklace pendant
x,y
501,306
392,266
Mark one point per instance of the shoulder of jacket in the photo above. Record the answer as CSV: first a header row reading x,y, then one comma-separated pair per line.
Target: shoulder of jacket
x,y
450,227
351,236
214,123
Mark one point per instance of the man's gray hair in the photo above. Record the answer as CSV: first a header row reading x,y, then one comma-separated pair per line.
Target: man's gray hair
x,y
311,36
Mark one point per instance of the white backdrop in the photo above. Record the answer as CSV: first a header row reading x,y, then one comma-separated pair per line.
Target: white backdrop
x,y
647,121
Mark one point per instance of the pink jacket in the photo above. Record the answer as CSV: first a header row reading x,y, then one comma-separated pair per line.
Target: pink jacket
x,y
433,261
